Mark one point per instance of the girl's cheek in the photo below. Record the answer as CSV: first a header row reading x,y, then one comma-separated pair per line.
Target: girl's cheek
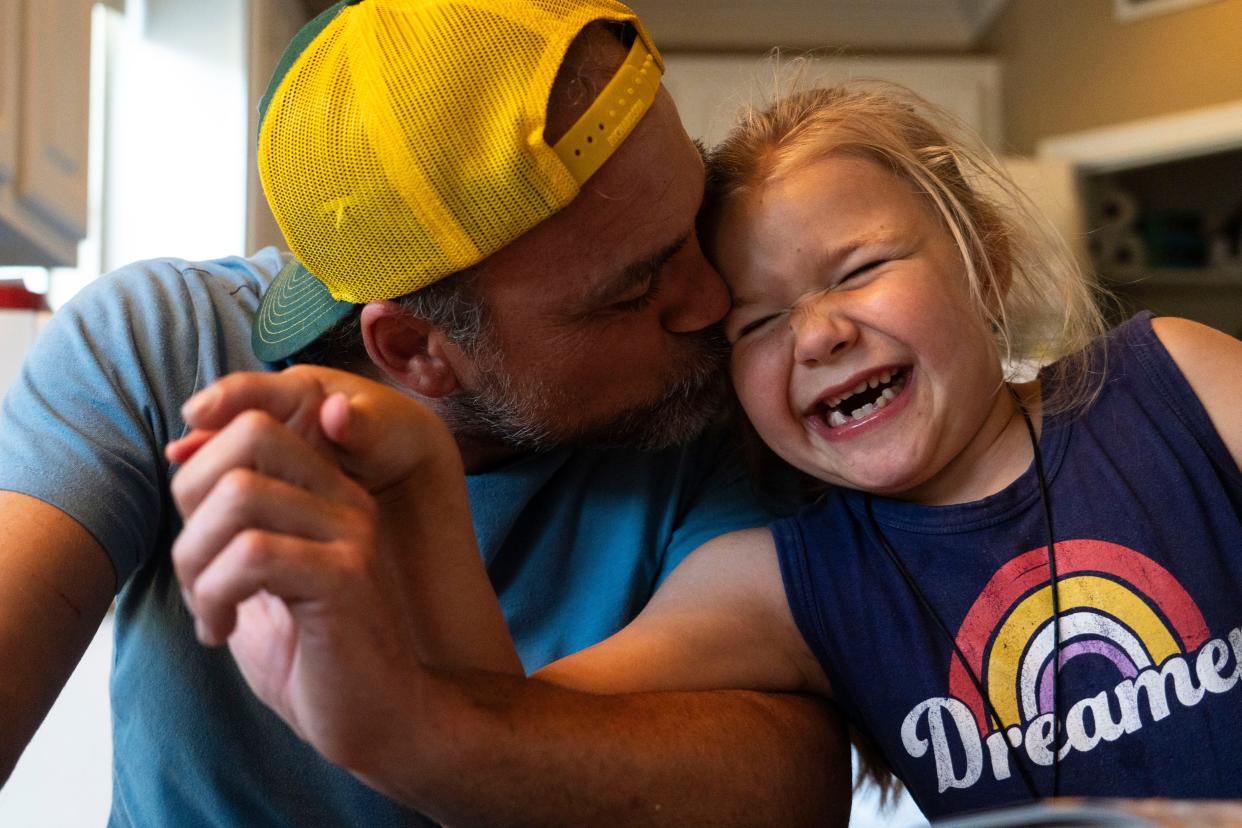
x,y
761,379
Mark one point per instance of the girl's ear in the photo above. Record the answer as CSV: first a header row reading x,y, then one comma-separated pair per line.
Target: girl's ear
x,y
410,351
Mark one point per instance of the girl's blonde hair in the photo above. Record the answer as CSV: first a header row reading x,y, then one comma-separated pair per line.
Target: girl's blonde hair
x,y
1023,279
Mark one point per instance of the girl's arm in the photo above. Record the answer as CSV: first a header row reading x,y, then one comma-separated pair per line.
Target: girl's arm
x,y
1212,363
720,621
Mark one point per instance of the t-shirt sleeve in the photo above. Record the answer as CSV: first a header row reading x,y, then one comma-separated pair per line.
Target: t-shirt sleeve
x,y
84,426
725,499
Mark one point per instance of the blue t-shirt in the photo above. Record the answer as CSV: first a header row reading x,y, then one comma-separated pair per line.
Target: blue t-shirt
x,y
1147,523
575,541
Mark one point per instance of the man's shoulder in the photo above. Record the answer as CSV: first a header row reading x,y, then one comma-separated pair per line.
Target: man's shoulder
x,y
156,329
232,281
176,311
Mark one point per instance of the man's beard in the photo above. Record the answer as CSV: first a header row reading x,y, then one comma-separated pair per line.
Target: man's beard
x,y
521,413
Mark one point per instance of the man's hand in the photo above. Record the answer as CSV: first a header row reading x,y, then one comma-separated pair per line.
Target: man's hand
x,y
377,435
327,539
351,605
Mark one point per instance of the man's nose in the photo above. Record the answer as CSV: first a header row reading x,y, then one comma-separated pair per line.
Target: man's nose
x,y
697,297
822,331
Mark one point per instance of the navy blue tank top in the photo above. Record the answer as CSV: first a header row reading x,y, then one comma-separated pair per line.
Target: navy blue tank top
x,y
1147,512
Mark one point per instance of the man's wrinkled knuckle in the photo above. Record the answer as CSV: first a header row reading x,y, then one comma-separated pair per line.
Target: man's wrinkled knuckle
x,y
254,423
360,521
253,548
299,373
304,378
237,488
351,561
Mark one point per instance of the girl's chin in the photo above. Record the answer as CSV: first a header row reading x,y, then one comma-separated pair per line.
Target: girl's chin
x,y
898,479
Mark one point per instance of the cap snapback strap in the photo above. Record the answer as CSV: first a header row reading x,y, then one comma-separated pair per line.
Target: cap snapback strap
x,y
613,115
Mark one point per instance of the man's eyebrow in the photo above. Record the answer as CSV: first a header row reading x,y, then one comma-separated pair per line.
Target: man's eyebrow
x,y
633,275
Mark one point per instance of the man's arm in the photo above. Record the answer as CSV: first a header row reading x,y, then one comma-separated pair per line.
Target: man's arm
x,y
514,752
55,585
677,758
477,748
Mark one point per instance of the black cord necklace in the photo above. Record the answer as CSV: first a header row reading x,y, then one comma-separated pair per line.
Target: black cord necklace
x,y
1018,760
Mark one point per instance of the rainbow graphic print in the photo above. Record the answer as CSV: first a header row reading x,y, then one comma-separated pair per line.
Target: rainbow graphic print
x,y
1118,607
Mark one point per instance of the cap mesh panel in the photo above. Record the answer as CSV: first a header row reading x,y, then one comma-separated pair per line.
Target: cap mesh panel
x,y
406,142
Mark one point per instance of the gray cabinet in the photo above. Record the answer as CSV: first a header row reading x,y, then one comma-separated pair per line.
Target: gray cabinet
x,y
44,106
1163,211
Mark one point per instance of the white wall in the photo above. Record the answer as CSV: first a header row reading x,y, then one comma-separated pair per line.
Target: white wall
x,y
175,175
64,778
174,185
17,331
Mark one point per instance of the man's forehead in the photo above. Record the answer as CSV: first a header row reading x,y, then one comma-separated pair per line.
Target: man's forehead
x,y
590,63
645,243
642,201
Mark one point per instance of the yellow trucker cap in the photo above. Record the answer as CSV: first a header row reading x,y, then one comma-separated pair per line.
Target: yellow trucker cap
x,y
401,141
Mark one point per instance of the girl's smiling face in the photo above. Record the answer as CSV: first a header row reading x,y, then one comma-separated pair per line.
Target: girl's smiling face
x,y
857,352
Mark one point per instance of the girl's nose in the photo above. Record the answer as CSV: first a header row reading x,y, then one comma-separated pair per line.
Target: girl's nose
x,y
821,331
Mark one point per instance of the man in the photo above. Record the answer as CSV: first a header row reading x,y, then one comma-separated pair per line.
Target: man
x,y
542,294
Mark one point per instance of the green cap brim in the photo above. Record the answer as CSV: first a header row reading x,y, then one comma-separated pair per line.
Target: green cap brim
x,y
296,309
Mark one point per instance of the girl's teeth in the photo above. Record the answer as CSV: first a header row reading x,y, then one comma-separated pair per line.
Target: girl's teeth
x,y
836,418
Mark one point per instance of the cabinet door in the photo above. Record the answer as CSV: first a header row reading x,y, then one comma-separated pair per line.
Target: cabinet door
x,y
272,24
52,178
10,84
711,89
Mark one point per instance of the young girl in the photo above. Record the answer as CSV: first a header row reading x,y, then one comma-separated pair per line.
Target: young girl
x,y
1015,589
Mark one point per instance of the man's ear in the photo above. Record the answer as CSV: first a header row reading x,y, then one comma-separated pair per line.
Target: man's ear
x,y
410,351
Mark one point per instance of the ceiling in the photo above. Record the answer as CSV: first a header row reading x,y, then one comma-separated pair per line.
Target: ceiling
x,y
857,25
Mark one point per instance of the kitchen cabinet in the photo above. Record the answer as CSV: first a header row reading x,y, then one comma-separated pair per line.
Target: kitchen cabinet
x,y
273,23
45,50
1168,237
1163,213
711,89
